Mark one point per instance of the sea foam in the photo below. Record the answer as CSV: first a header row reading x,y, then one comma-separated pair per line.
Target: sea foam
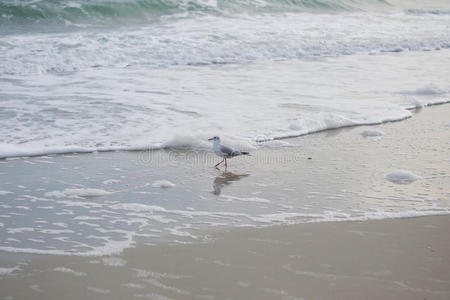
x,y
71,82
402,177
78,193
163,184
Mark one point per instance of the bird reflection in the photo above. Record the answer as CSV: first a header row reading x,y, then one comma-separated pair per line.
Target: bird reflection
x,y
225,179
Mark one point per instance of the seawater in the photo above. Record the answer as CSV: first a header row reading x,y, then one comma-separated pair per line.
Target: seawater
x,y
121,75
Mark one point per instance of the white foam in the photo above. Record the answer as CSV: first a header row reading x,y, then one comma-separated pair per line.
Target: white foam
x,y
283,217
87,218
71,203
153,112
110,247
112,181
5,193
78,193
69,271
54,231
402,177
163,184
114,261
132,285
98,290
187,141
116,225
7,271
245,199
19,230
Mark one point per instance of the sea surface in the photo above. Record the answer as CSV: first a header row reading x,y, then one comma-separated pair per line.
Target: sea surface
x,y
107,75
135,74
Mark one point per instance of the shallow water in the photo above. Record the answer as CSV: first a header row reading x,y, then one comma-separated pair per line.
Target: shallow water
x,y
100,204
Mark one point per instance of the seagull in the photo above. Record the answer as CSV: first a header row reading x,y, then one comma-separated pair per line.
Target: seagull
x,y
224,151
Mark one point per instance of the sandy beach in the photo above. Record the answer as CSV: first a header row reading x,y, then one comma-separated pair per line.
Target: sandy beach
x,y
388,259
114,115
379,243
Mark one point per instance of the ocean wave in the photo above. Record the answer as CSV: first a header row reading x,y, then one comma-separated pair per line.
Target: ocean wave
x,y
199,143
69,12
211,40
428,11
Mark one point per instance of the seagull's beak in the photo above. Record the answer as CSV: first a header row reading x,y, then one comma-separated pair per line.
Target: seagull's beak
x,y
210,139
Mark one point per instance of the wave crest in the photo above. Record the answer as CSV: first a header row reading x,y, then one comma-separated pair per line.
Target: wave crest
x,y
21,13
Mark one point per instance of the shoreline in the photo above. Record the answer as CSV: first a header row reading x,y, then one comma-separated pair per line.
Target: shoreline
x,y
201,226
81,150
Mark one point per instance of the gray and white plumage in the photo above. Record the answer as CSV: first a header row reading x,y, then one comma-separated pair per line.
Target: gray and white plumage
x,y
224,151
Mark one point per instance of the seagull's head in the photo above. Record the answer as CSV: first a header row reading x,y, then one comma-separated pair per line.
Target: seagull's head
x,y
215,138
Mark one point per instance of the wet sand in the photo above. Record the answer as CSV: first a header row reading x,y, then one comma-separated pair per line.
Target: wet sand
x,y
403,258
386,259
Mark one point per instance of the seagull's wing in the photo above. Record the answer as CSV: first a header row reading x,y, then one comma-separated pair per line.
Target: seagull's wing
x,y
226,150
230,152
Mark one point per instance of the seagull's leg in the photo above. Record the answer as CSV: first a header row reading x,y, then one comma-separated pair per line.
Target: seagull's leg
x,y
226,165
220,162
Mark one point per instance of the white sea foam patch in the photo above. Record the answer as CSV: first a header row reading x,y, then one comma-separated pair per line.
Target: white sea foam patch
x,y
245,199
5,193
132,285
165,184
78,193
114,261
190,141
109,247
402,177
7,271
69,271
98,290
12,150
112,181
19,230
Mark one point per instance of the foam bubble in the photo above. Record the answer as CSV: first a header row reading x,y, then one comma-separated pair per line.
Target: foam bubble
x,y
163,184
402,177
